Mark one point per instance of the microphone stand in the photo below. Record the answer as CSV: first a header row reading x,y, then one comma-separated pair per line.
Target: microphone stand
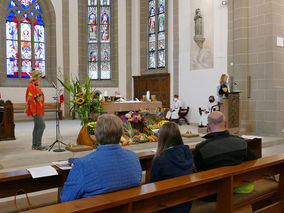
x,y
57,141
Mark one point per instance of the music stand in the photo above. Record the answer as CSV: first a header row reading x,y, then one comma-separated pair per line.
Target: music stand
x,y
57,124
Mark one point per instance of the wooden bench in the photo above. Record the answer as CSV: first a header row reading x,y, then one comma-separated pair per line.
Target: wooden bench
x,y
7,125
163,194
48,107
12,181
254,144
273,208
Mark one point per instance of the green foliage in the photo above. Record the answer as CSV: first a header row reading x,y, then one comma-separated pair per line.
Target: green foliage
x,y
128,127
82,100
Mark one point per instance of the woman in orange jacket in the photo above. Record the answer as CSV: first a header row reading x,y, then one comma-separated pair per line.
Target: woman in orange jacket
x,y
35,108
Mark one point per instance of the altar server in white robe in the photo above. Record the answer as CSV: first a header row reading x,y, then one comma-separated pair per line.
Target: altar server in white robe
x,y
205,112
172,114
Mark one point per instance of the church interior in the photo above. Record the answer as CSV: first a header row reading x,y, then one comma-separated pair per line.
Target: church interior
x,y
142,59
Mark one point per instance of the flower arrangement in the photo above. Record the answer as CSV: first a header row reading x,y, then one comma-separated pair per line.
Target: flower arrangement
x,y
131,118
91,127
91,130
83,101
135,130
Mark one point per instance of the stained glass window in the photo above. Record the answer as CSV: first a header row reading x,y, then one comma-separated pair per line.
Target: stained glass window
x,y
25,38
99,20
156,34
12,45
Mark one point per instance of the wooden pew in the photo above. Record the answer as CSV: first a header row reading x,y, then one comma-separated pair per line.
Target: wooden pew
x,y
254,144
10,182
277,207
48,107
163,194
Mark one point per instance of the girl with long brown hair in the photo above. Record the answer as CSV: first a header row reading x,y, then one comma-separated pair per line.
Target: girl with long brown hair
x,y
173,159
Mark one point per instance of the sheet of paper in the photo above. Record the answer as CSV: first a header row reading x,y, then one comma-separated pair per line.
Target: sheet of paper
x,y
250,136
64,165
43,171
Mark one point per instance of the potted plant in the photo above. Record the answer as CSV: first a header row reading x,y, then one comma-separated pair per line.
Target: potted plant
x,y
85,104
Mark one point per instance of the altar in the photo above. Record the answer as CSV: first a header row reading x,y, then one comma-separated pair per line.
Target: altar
x,y
114,107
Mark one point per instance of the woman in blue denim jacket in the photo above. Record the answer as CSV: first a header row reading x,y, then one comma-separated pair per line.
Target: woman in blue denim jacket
x,y
109,168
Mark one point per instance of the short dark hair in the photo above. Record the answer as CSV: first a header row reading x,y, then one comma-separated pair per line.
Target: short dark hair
x,y
108,129
212,97
169,135
175,96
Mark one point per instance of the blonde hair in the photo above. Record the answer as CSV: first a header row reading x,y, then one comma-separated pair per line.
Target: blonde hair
x,y
222,78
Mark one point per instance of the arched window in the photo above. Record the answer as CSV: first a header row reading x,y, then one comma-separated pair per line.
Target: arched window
x,y
99,19
25,38
156,34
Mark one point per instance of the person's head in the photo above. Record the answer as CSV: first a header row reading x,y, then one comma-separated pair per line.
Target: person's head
x,y
175,97
169,135
216,122
211,99
197,10
108,129
36,75
224,78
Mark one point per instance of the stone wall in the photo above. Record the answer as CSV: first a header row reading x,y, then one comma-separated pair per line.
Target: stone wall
x,y
256,63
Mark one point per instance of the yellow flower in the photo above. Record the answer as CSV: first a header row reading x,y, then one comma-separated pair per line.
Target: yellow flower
x,y
81,94
92,124
80,101
102,101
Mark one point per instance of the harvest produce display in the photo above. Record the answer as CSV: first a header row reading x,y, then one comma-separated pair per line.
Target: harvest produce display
x,y
141,127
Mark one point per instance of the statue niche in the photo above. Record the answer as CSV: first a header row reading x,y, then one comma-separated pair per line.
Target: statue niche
x,y
198,24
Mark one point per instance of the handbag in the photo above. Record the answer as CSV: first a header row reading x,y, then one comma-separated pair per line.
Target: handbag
x,y
27,198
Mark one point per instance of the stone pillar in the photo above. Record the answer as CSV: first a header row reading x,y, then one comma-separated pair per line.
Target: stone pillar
x,y
258,63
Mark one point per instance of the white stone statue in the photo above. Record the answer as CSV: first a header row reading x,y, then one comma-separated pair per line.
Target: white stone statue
x,y
198,23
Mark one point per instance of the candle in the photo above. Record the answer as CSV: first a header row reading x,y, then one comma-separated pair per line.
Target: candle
x,y
105,93
148,95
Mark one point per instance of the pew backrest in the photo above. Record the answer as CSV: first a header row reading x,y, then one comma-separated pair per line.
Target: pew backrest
x,y
10,182
273,208
48,107
156,196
